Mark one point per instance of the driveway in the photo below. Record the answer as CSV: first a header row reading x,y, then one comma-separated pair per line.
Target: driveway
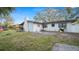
x,y
62,34
64,47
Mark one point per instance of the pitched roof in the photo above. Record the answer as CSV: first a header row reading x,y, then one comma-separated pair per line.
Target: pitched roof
x,y
21,23
35,22
62,21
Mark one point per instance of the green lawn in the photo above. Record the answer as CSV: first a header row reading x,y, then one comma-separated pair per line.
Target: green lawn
x,y
26,41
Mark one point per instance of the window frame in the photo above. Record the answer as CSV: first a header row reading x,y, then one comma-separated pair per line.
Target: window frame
x,y
52,24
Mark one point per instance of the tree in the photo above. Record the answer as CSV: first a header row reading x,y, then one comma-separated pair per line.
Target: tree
x,y
72,12
9,22
49,14
9,19
5,11
5,15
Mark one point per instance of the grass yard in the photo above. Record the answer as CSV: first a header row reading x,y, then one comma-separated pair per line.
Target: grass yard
x,y
26,41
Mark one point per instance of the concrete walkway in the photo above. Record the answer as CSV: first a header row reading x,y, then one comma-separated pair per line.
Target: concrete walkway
x,y
64,47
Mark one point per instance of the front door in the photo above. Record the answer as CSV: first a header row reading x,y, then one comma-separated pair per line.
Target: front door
x,y
62,27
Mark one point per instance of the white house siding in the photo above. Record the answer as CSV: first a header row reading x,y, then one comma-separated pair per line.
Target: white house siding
x,y
72,28
50,28
30,27
37,28
25,26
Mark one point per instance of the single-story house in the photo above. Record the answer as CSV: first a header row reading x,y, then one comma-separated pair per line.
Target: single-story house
x,y
63,25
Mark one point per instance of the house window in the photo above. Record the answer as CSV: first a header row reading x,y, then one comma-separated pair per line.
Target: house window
x,y
53,25
44,25
62,25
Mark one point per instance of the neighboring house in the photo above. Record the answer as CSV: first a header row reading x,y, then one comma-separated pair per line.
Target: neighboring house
x,y
19,27
64,25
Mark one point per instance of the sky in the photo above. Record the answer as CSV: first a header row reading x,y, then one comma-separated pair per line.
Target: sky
x,y
20,13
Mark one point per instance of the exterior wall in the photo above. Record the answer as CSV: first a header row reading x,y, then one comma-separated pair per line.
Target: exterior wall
x,y
37,28
50,28
25,26
31,27
72,28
